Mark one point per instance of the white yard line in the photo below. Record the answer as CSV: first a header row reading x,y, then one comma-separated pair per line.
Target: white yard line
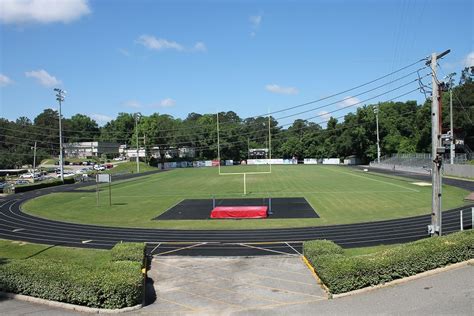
x,y
376,180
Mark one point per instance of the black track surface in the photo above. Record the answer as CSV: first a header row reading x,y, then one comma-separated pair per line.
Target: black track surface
x,y
296,207
16,225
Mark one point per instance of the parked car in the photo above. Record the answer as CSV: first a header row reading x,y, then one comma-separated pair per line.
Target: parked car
x,y
22,182
99,167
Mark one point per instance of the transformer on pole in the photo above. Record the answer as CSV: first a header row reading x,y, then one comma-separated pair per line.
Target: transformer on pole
x,y
437,149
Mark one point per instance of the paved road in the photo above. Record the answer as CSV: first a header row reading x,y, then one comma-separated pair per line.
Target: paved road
x,y
446,293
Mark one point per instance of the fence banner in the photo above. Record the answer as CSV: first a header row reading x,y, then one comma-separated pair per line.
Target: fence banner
x,y
310,161
331,161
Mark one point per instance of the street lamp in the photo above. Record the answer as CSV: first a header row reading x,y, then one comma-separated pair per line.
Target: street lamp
x,y
137,117
60,98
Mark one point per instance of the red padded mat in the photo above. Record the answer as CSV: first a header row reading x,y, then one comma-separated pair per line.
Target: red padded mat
x,y
239,212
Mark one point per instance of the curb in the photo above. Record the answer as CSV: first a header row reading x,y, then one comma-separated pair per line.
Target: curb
x,y
315,275
421,275
68,306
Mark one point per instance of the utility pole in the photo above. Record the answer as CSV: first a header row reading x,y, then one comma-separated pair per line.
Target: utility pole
x,y
34,162
60,98
378,138
437,150
137,117
452,146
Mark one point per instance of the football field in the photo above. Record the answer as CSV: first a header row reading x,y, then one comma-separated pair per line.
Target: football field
x,y
339,195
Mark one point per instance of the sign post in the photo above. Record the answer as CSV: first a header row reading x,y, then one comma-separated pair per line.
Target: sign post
x,y
104,178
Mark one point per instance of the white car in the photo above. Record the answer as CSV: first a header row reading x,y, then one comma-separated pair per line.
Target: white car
x,y
99,167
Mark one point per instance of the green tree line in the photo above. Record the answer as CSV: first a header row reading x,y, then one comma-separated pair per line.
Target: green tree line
x,y
404,127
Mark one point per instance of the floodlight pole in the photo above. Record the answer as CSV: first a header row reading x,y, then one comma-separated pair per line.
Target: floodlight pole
x,y
60,98
436,149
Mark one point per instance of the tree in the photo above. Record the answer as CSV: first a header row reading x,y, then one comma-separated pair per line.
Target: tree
x,y
82,128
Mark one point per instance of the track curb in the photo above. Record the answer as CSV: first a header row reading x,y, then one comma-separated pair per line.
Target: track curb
x,y
450,267
69,306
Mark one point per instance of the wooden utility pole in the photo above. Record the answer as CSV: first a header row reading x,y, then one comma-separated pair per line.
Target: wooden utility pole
x,y
437,149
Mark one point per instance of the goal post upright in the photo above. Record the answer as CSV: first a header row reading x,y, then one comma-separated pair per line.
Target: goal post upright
x,y
218,143
269,141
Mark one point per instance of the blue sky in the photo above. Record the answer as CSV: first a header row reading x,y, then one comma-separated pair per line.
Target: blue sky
x,y
177,57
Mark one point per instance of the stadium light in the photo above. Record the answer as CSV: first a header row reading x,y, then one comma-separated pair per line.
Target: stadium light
x,y
60,98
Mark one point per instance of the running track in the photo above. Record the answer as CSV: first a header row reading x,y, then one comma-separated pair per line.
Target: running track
x,y
16,225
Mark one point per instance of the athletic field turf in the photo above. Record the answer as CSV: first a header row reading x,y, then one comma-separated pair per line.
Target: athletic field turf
x,y
338,194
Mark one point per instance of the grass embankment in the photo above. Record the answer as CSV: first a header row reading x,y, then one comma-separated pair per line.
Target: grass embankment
x,y
343,271
129,167
339,195
94,278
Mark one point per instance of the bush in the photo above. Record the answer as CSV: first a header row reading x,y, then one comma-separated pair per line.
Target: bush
x,y
346,273
113,284
128,252
41,185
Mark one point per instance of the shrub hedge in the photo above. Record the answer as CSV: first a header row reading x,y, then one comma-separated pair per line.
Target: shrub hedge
x,y
112,285
342,273
40,185
128,251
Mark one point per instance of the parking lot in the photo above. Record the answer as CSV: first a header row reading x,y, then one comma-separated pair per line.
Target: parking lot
x,y
225,285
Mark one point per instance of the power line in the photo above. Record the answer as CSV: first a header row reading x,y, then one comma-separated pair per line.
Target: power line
x,y
291,107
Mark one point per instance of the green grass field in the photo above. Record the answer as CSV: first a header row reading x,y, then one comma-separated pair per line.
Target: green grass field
x,y
338,194
22,250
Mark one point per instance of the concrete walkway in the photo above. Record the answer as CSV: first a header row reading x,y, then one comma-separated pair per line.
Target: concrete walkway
x,y
447,293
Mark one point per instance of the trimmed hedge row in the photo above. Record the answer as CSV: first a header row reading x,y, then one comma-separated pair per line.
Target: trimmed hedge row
x,y
128,251
41,185
114,284
342,273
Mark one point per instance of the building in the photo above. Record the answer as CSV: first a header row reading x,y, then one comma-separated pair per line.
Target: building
x,y
258,153
90,149
183,152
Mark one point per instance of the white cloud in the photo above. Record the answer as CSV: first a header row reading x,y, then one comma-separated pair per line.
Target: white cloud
x,y
42,11
43,78
133,104
4,80
167,103
200,47
255,20
274,88
469,60
101,119
325,115
349,101
154,43
124,52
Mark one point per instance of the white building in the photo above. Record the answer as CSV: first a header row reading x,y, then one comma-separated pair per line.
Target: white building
x,y
90,149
